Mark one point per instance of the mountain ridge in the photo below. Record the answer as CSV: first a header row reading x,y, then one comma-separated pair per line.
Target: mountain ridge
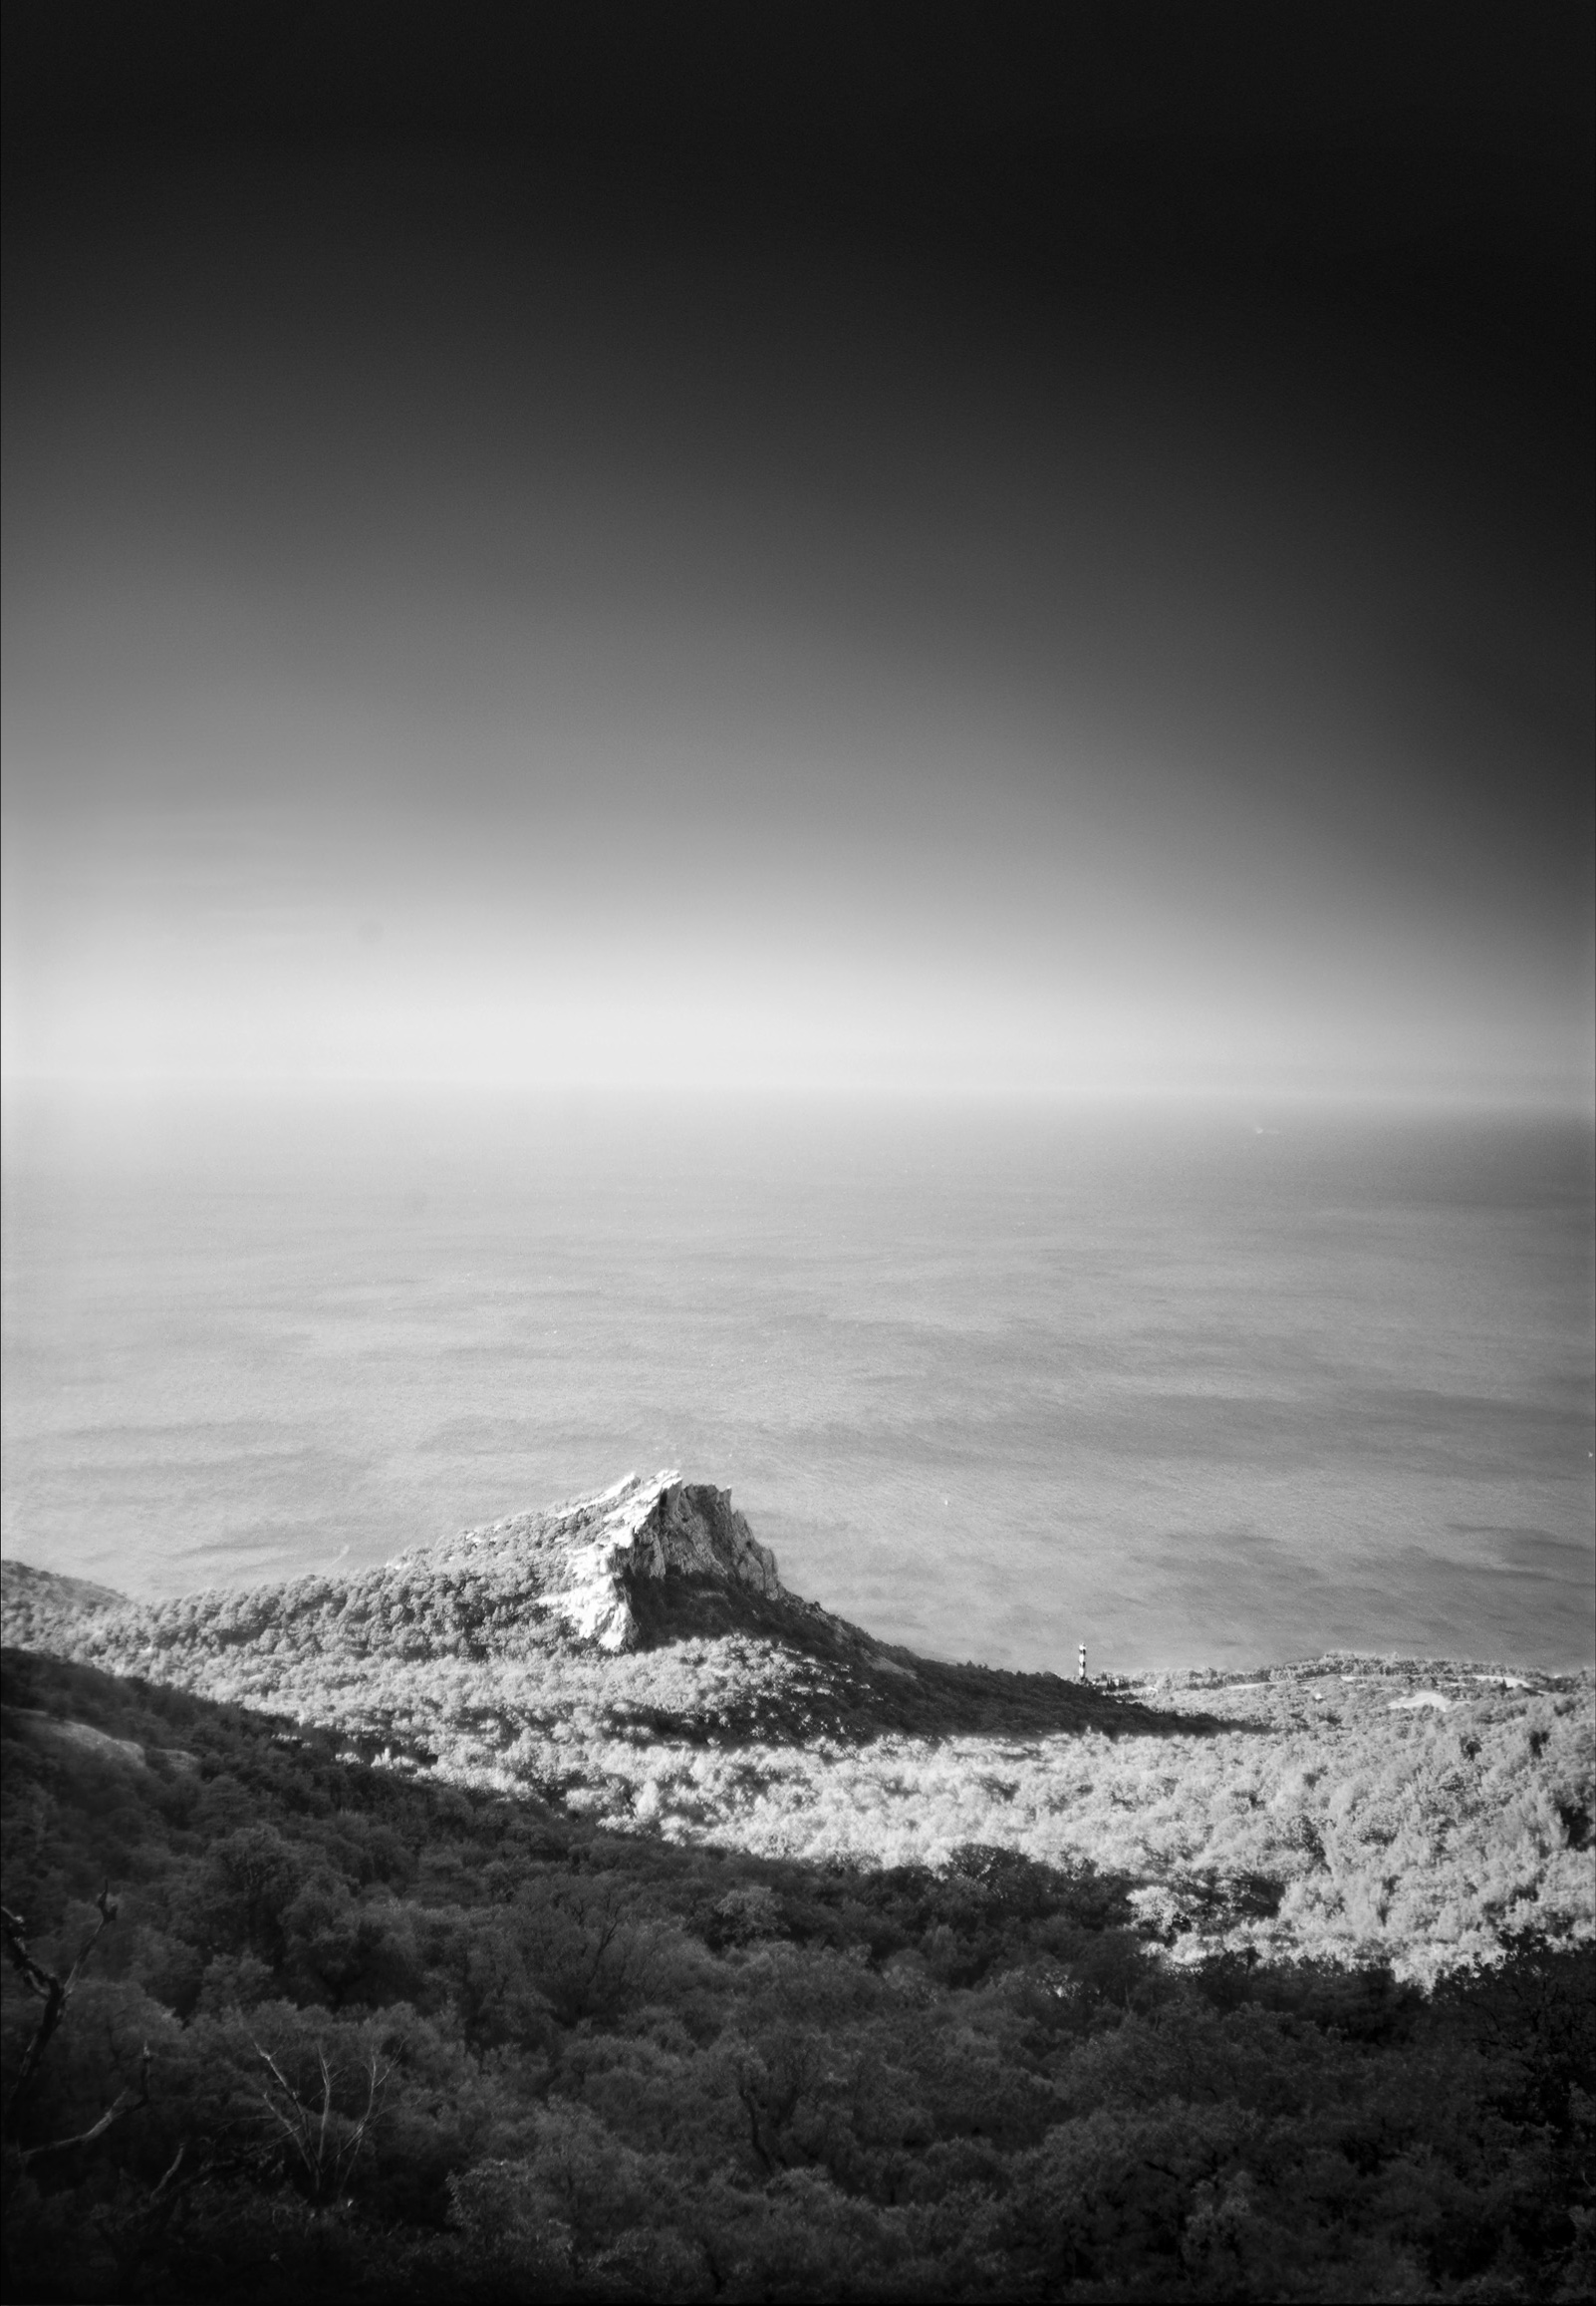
x,y
641,1567
633,1656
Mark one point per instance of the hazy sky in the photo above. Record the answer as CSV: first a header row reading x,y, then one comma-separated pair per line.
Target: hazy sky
x,y
863,567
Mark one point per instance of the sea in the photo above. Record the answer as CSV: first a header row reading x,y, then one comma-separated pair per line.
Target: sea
x,y
1201,1385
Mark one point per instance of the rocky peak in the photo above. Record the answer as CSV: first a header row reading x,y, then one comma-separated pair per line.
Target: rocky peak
x,y
594,1552
657,1528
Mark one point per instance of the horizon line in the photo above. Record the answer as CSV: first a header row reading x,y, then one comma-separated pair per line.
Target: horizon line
x,y
1538,1097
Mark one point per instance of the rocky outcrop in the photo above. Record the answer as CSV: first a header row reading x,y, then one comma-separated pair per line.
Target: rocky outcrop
x,y
648,1605
592,1554
659,1528
580,1564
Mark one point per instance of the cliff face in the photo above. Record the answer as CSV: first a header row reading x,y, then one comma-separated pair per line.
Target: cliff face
x,y
596,1551
608,1573
650,1602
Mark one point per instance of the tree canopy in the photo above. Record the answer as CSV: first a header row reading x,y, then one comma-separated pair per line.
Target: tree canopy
x,y
364,2033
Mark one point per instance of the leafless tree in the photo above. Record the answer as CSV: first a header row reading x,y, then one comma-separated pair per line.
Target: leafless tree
x,y
326,2143
55,1993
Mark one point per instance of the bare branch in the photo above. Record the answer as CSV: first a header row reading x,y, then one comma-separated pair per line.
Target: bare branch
x,y
327,2105
376,2083
293,2131
290,2130
51,1990
108,1913
38,1982
165,2180
276,2073
326,2143
125,2102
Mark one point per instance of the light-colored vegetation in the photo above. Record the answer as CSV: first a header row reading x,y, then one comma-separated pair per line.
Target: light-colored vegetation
x,y
1399,1811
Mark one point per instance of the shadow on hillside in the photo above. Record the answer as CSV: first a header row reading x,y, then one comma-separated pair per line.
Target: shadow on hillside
x,y
136,1777
139,1764
870,1690
539,2010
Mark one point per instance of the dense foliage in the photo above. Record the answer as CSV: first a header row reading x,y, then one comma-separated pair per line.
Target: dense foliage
x,y
374,2034
1405,1813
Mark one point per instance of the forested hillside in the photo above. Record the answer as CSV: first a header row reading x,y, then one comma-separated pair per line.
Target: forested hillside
x,y
359,2032
1405,1811
570,1910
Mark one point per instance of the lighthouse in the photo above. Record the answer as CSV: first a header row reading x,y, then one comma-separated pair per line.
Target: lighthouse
x,y
1083,1660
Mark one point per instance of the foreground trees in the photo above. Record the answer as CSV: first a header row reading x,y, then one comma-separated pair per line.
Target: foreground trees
x,y
369,2036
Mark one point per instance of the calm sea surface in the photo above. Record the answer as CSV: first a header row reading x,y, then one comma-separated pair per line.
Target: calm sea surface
x,y
1192,1387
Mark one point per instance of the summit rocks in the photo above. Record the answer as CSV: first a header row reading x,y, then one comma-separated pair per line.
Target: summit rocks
x,y
596,1551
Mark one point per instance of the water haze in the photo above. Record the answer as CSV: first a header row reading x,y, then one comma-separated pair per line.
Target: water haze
x,y
1197,1383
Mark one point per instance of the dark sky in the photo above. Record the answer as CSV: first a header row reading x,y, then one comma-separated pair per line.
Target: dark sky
x,y
1004,547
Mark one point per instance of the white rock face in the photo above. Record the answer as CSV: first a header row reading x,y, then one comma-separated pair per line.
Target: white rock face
x,y
491,1590
645,1529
